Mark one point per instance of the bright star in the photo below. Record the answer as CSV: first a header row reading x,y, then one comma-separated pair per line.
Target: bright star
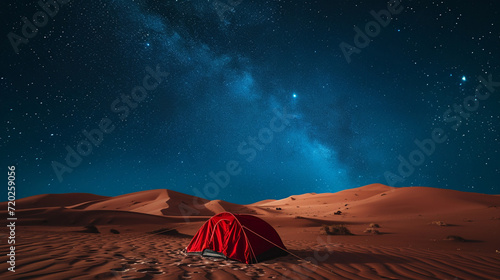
x,y
294,95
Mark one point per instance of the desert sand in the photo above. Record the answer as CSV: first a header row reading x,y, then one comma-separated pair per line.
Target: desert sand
x,y
411,238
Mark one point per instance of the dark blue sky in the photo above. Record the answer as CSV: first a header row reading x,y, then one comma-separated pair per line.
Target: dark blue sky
x,y
257,93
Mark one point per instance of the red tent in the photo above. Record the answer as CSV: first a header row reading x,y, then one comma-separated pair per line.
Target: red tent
x,y
244,238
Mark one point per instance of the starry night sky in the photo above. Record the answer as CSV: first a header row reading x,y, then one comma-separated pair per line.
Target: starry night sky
x,y
238,69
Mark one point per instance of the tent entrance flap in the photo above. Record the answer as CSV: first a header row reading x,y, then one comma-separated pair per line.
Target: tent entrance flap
x,y
212,254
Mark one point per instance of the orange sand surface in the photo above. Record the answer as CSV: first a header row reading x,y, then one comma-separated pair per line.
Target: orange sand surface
x,y
411,241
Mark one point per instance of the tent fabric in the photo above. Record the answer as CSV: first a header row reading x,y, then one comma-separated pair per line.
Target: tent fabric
x,y
237,237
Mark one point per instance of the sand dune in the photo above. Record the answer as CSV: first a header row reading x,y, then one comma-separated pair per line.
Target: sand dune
x,y
218,206
339,197
425,200
163,202
154,202
414,224
54,200
60,216
384,201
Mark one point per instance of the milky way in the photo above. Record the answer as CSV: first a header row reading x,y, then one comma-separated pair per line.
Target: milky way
x,y
249,100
